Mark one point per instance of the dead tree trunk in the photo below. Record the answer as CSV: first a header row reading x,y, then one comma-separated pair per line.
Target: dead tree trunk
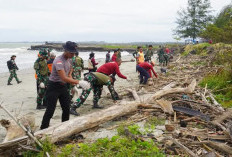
x,y
79,124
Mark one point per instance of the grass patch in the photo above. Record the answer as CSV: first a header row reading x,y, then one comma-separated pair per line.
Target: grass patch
x,y
221,85
200,49
119,145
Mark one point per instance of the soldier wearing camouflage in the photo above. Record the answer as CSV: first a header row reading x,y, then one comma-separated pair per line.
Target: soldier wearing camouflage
x,y
97,81
12,68
42,71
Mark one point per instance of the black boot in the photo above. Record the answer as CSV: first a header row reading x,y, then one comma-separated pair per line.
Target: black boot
x,y
95,105
39,107
73,111
19,82
9,83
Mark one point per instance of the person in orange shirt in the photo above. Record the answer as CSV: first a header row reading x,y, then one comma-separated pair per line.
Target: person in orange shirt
x,y
50,62
140,56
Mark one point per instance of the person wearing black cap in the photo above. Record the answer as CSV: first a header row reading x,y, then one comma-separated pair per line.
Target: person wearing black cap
x,y
12,68
57,85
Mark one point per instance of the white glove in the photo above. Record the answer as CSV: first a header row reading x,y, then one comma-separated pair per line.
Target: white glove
x,y
84,84
41,85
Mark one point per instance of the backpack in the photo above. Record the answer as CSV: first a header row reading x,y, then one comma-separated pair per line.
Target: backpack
x,y
9,64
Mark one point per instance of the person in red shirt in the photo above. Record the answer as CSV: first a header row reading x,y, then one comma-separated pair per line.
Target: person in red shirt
x,y
114,57
149,68
111,68
144,70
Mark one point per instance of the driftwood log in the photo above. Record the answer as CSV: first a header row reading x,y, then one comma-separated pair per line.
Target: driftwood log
x,y
79,124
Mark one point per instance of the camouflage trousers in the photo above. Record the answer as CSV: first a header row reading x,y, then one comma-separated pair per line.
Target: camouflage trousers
x,y
97,91
13,75
76,74
164,59
41,98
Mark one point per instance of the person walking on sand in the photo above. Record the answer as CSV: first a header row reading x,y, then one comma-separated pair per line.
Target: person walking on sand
x,y
92,63
144,70
42,71
12,68
95,81
57,85
107,57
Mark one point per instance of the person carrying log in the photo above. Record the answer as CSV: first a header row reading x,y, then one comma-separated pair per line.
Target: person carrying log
x,y
94,81
144,70
57,85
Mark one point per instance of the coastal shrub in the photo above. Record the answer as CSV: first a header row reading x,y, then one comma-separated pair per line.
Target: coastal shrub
x,y
200,49
119,146
47,147
116,146
221,85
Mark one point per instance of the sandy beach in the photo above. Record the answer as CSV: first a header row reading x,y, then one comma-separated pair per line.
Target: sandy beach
x,y
20,99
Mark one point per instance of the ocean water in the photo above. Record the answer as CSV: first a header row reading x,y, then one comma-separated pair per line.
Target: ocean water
x,y
25,58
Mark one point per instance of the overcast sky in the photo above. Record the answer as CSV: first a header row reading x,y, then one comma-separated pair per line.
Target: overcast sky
x,y
91,20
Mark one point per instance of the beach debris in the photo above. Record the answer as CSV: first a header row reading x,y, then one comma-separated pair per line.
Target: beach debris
x,y
191,112
165,105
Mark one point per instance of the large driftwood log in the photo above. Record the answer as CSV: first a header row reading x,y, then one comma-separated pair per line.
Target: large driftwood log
x,y
188,90
79,124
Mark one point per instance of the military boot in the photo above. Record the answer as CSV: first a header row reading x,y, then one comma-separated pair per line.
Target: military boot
x,y
73,111
39,107
95,105
9,83
19,82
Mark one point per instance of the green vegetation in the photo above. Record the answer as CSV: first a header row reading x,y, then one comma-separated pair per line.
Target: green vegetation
x,y
119,145
200,49
221,28
192,20
221,85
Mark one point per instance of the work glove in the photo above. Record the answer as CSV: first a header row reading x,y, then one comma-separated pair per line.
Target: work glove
x,y
41,85
84,84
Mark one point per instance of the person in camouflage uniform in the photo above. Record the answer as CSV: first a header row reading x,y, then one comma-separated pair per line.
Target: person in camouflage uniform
x,y
12,68
148,54
119,56
96,81
78,67
161,55
42,71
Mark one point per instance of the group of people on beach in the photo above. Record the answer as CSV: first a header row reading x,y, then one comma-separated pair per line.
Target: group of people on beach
x,y
57,78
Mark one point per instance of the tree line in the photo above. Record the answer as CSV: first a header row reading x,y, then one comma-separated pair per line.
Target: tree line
x,y
197,21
